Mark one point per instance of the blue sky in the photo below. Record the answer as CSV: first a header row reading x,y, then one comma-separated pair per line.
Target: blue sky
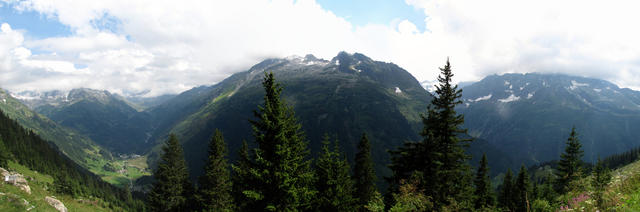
x,y
34,23
362,12
357,12
163,47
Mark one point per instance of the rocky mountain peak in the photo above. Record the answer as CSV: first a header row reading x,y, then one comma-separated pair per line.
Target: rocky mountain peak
x,y
89,94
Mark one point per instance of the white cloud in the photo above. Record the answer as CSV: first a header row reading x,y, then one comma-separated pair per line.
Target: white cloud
x,y
587,38
171,46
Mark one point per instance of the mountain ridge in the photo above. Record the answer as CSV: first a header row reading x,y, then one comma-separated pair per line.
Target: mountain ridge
x,y
531,114
351,94
345,96
75,145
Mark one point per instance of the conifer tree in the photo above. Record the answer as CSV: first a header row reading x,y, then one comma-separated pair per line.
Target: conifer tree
x,y
483,193
600,180
241,177
523,191
506,198
281,170
5,155
364,174
441,156
569,166
547,192
214,191
171,190
333,183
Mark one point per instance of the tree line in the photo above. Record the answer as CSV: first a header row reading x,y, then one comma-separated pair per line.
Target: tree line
x,y
277,174
622,159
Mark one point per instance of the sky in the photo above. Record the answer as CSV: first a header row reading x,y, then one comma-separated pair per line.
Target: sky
x,y
155,47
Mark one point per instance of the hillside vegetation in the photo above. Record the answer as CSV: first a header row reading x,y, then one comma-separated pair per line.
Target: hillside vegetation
x,y
12,198
24,147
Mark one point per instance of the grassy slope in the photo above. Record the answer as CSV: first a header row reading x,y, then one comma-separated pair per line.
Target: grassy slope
x,y
622,193
40,184
135,168
624,189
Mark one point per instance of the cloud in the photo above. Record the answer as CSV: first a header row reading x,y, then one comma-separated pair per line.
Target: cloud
x,y
170,46
586,38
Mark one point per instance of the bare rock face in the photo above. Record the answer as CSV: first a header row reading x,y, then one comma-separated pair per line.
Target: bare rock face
x,y
56,204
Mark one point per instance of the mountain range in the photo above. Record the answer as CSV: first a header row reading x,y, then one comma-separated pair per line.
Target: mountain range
x,y
515,118
530,115
343,97
75,145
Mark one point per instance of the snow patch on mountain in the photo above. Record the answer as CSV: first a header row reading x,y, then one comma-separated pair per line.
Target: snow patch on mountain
x,y
353,67
585,100
597,90
24,97
429,85
293,57
575,85
530,95
315,62
482,98
511,98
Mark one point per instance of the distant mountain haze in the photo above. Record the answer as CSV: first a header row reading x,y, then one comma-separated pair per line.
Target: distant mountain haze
x,y
106,118
77,146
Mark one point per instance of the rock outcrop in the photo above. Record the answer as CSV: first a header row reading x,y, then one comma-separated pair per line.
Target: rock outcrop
x,y
56,204
3,172
15,179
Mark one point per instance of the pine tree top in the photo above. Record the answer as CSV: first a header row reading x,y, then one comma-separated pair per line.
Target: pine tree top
x,y
279,167
573,150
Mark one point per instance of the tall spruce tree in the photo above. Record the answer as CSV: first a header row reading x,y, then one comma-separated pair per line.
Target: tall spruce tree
x,y
281,168
483,193
506,198
364,174
242,178
570,164
171,189
214,191
333,183
523,191
440,157
600,180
